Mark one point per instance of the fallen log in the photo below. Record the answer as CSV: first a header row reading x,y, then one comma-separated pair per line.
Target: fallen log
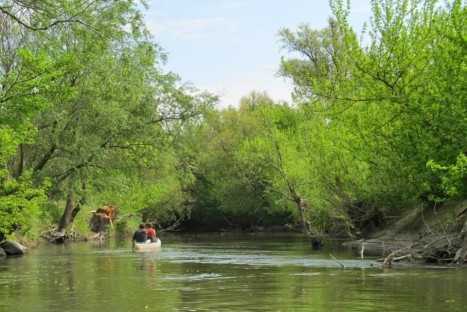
x,y
374,247
429,252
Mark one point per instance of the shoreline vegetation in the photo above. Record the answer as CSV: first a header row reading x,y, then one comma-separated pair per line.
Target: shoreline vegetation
x,y
440,236
373,146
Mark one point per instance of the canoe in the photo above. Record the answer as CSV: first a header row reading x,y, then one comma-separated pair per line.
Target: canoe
x,y
141,247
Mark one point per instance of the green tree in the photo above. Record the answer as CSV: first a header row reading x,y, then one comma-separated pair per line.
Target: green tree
x,y
223,196
104,108
22,74
278,155
393,100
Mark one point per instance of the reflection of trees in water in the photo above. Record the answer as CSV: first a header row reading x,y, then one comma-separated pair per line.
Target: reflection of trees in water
x,y
251,274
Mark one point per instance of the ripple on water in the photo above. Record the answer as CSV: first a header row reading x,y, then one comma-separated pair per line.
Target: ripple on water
x,y
196,277
261,259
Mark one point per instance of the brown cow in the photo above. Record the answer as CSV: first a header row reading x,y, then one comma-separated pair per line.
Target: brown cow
x,y
101,218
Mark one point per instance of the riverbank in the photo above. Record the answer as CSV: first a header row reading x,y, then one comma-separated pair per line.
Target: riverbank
x,y
437,235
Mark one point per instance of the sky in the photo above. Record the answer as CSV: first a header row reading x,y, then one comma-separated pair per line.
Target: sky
x,y
231,47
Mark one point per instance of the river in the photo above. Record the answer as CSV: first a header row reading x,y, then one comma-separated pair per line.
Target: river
x,y
222,272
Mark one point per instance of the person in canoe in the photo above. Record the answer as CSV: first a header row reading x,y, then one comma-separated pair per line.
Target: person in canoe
x,y
151,233
140,235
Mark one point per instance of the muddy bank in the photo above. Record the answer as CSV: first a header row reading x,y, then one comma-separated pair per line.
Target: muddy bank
x,y
437,234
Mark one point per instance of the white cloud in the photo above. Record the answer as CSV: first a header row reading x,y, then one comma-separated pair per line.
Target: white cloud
x,y
232,89
230,47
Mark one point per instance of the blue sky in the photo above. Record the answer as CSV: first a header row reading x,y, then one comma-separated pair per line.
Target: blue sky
x,y
230,47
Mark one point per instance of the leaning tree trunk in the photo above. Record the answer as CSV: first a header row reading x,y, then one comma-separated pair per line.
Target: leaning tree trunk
x,y
302,205
314,238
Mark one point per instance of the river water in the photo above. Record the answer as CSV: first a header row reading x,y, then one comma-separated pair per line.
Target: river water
x,y
222,272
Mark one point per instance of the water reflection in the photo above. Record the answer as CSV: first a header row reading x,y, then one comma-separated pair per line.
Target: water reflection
x,y
225,273
146,260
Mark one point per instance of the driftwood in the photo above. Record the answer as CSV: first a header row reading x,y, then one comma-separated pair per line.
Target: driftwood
x,y
447,248
393,256
340,263
429,234
173,227
427,252
374,247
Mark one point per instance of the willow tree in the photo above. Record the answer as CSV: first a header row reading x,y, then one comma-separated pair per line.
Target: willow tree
x,y
107,107
25,73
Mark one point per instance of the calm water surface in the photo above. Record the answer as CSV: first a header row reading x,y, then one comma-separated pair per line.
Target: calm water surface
x,y
222,273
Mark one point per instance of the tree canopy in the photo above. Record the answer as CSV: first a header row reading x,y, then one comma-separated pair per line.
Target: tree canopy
x,y
89,117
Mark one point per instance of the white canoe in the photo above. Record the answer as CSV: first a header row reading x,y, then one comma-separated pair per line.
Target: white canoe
x,y
147,246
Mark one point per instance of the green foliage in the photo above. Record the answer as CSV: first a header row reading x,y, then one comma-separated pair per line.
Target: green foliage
x,y
453,178
20,203
288,156
389,103
87,106
230,190
51,212
378,123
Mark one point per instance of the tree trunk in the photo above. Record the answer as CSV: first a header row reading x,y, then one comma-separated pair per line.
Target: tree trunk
x,y
312,235
315,239
67,214
20,168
